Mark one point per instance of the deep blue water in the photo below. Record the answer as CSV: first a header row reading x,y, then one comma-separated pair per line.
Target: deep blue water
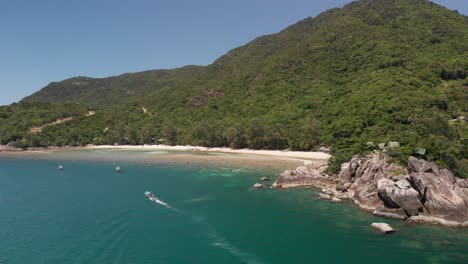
x,y
88,213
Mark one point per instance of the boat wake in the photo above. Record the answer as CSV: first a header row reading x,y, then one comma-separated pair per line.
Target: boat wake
x,y
155,199
159,202
219,241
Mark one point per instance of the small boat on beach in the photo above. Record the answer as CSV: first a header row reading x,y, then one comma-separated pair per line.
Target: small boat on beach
x,y
153,198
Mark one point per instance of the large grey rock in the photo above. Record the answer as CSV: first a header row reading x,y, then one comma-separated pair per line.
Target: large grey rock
x,y
440,196
336,200
399,194
324,196
366,196
341,188
348,170
395,213
403,184
344,195
257,186
300,177
418,165
383,227
345,173
371,169
462,183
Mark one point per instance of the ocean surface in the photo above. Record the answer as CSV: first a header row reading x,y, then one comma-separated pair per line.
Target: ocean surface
x,y
88,213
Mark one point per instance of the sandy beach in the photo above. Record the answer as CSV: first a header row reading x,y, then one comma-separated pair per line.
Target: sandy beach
x,y
275,153
179,155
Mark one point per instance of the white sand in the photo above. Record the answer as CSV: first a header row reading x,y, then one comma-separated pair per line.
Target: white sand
x,y
275,153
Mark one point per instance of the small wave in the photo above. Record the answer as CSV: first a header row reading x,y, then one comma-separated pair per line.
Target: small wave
x,y
199,199
199,219
116,228
157,152
243,256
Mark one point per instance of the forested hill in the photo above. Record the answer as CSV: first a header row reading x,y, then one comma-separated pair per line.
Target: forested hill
x,y
372,72
105,92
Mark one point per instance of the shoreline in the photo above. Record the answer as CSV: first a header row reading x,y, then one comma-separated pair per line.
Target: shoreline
x,y
273,153
280,160
306,155
178,155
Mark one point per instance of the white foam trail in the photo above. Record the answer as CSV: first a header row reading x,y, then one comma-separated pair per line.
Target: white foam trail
x,y
168,206
199,199
242,255
156,200
221,242
161,202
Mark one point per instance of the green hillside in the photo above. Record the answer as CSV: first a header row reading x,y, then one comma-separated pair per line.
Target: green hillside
x,y
104,92
374,71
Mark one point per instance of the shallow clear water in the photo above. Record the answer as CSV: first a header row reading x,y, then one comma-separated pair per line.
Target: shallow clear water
x,y
88,213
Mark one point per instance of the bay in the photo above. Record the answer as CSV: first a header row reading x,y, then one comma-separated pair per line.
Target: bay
x,y
88,213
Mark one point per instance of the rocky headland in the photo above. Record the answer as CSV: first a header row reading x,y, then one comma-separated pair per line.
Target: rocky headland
x,y
423,192
10,148
5,148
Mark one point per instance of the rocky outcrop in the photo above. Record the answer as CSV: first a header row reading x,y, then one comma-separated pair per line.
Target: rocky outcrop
x,y
424,192
8,148
306,176
395,213
257,186
336,200
384,228
348,170
399,194
325,196
443,198
302,176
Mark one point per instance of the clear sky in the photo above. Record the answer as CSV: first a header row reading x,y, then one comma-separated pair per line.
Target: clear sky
x,y
45,41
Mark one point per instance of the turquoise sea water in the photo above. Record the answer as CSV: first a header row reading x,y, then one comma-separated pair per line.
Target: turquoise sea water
x,y
88,213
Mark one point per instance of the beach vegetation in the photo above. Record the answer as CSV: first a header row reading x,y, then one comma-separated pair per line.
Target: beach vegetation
x,y
373,71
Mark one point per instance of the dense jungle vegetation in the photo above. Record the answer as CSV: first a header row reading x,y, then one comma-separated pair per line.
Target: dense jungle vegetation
x,y
372,72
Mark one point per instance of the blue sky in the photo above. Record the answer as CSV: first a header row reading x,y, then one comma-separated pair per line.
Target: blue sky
x,y
45,41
